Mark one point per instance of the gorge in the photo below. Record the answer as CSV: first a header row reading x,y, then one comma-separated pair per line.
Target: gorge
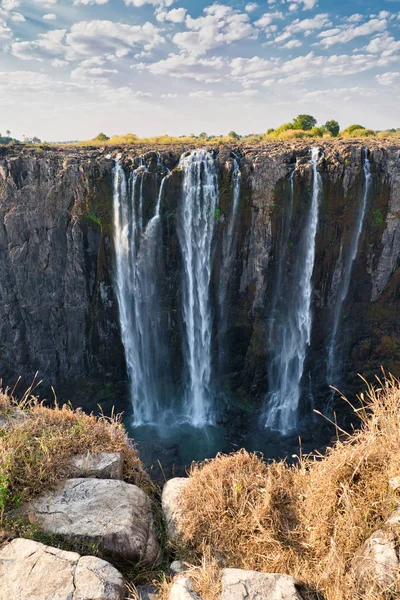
x,y
222,288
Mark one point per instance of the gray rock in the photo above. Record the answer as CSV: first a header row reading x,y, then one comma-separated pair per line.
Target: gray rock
x,y
29,570
252,585
394,484
113,514
182,589
171,507
376,564
177,567
104,465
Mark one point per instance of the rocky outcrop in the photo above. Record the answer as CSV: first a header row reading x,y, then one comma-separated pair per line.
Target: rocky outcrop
x,y
104,465
182,589
114,515
38,572
171,506
251,585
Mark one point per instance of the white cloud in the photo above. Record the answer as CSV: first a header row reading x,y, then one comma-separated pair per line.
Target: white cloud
x,y
250,7
303,4
88,2
242,94
390,78
15,17
93,38
356,18
10,4
220,25
93,74
350,33
267,19
140,3
205,70
168,96
201,94
50,17
48,45
303,26
385,45
5,32
292,44
176,15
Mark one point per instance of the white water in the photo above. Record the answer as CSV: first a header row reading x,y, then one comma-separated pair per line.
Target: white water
x,y
228,255
195,232
289,354
333,366
138,255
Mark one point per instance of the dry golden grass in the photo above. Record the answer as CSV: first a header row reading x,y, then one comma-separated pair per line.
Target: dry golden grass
x,y
306,520
35,451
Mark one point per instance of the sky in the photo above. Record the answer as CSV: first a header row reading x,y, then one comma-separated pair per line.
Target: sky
x,y
70,69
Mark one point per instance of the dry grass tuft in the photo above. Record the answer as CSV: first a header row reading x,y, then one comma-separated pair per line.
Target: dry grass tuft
x,y
306,520
35,450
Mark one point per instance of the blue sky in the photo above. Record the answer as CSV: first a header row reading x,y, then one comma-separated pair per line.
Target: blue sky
x,y
69,69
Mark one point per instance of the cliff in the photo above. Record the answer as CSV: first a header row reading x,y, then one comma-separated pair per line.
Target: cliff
x,y
58,305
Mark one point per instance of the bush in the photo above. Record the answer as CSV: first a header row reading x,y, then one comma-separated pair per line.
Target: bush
x,y
317,131
306,520
353,128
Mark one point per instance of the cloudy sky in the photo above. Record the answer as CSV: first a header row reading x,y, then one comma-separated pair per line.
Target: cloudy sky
x,y
72,68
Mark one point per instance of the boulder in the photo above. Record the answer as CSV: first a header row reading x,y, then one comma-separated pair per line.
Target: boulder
x,y
182,589
176,568
376,564
394,484
38,572
104,465
252,585
171,505
112,514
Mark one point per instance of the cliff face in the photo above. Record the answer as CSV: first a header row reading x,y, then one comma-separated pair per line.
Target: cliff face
x,y
58,308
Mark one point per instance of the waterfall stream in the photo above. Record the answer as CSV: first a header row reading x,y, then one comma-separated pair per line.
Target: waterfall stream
x,y
195,232
333,365
138,256
291,332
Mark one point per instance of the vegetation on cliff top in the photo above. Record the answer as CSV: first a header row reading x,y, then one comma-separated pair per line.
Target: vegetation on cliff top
x,y
307,520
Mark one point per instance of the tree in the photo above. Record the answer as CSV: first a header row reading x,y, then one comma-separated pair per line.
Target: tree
x,y
203,136
8,133
333,127
270,130
102,137
234,135
304,122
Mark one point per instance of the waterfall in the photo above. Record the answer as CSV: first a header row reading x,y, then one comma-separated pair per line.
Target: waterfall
x,y
333,368
195,232
138,259
291,333
228,256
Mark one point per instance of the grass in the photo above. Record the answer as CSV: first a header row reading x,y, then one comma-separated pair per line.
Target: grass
x,y
35,451
306,520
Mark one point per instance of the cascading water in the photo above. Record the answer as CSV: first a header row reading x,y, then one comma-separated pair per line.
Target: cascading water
x,y
228,255
333,365
195,232
138,256
291,333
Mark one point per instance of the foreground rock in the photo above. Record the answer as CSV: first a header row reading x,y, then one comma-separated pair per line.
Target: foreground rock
x,y
182,589
104,465
112,514
171,505
376,564
29,570
252,585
